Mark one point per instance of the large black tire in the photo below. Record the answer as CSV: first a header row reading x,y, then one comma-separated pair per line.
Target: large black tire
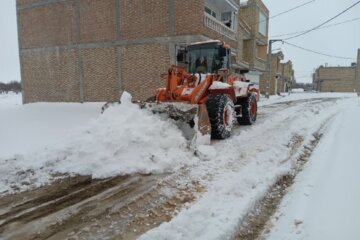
x,y
248,108
221,112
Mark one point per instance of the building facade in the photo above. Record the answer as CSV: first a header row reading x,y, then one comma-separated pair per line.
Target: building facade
x,y
93,50
254,43
282,75
338,79
286,80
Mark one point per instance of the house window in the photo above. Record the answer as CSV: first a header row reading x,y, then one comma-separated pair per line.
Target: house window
x,y
210,12
226,18
262,23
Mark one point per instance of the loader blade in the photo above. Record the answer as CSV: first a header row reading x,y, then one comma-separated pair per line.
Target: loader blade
x,y
192,119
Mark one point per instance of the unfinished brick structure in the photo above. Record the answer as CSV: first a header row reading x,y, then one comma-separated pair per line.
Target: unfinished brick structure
x,y
338,79
282,75
92,50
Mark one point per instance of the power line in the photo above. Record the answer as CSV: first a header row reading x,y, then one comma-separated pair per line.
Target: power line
x,y
291,9
309,76
281,13
319,53
322,24
327,26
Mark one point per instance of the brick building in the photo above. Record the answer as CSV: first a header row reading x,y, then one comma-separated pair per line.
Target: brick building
x,y
286,79
92,50
282,75
338,79
254,16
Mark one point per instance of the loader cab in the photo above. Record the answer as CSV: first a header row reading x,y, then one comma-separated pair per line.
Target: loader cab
x,y
207,57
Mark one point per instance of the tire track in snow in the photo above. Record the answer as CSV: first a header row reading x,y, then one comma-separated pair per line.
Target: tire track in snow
x,y
119,206
256,221
248,163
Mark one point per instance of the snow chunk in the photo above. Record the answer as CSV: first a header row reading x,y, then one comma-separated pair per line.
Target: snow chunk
x,y
219,85
126,98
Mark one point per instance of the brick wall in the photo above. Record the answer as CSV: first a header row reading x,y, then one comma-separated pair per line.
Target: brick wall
x,y
144,18
256,46
97,20
26,1
142,66
262,84
51,76
261,51
277,68
240,46
336,79
100,74
92,50
48,25
189,17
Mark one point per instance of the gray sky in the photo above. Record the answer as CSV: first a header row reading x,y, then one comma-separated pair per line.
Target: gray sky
x,y
9,54
342,40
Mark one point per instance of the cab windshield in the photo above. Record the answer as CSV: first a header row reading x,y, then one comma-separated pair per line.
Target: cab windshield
x,y
205,60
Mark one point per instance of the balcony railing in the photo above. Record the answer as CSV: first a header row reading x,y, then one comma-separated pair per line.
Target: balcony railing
x,y
218,26
260,64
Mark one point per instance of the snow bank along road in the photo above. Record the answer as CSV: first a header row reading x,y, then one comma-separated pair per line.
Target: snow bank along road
x,y
324,201
129,174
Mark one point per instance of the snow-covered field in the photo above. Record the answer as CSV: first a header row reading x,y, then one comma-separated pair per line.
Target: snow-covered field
x,y
43,139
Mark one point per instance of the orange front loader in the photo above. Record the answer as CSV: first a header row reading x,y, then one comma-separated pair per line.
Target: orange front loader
x,y
188,98
206,97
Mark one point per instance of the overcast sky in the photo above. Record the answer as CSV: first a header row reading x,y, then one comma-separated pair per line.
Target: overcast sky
x,y
9,54
342,40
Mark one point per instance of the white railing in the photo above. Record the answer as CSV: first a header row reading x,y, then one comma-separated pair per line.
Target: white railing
x,y
218,26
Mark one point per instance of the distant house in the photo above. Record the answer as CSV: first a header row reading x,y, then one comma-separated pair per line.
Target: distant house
x,y
338,79
282,75
86,50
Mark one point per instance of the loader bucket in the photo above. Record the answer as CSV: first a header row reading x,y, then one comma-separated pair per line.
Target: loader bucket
x,y
192,119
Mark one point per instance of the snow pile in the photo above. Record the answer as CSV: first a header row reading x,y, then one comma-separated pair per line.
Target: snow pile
x,y
297,90
124,140
219,85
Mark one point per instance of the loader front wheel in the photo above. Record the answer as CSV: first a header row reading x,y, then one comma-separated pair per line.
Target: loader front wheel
x,y
249,109
221,112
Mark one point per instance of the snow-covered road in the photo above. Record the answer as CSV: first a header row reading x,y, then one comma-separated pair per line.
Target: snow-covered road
x,y
324,201
207,195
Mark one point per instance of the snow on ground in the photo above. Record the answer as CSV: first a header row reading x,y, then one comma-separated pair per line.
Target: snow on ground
x,y
237,173
324,201
246,165
123,140
9,100
285,97
32,127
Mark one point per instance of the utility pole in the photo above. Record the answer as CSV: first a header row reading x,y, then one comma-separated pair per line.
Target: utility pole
x,y
268,67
